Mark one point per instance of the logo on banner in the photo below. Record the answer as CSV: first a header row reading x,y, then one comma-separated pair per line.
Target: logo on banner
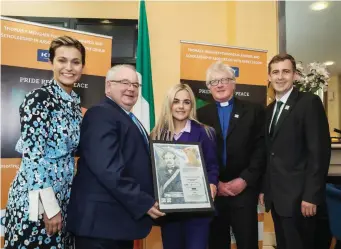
x,y
236,71
43,55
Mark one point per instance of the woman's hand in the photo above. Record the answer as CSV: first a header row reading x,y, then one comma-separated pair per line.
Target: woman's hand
x,y
53,225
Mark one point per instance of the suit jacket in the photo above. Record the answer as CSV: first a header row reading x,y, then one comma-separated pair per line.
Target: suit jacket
x,y
245,146
112,190
298,154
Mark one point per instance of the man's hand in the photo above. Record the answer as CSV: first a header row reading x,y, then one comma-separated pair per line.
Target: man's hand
x,y
54,224
223,190
261,199
236,186
213,190
308,209
154,211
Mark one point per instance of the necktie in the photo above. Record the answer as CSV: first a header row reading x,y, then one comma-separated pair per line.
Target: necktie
x,y
132,116
274,120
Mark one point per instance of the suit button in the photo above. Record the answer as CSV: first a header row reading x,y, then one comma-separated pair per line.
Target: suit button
x,y
272,154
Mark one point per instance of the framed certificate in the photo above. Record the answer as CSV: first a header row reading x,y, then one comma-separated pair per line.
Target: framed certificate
x,y
180,178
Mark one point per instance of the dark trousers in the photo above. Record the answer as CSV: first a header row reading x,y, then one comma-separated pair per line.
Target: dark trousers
x,y
96,243
244,223
338,244
295,232
187,234
323,235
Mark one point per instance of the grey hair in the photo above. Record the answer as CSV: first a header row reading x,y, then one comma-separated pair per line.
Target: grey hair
x,y
112,71
219,67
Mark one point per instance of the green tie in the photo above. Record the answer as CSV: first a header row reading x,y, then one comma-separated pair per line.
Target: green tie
x,y
274,120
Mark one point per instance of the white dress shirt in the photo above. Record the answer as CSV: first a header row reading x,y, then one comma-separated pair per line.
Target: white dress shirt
x,y
284,100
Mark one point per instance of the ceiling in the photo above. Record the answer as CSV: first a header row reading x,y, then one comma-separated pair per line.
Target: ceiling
x,y
314,35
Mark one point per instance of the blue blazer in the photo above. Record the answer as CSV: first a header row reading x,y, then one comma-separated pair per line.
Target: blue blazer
x,y
113,188
209,149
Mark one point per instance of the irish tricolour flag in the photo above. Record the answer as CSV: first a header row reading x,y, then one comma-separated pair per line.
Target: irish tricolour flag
x,y
144,108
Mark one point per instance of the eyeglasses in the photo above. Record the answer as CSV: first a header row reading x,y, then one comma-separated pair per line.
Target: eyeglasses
x,y
127,83
222,81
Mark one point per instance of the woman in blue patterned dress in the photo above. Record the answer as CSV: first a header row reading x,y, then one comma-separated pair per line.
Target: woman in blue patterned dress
x,y
50,122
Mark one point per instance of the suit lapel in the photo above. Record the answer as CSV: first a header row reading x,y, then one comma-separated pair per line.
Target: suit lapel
x,y
269,117
286,110
214,116
236,115
118,108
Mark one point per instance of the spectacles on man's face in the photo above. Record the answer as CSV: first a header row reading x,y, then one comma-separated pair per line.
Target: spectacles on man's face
x,y
127,83
223,81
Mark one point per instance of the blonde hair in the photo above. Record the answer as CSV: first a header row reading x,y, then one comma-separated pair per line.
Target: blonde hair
x,y
164,129
219,67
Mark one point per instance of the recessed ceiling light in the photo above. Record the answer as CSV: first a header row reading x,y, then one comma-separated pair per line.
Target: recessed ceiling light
x,y
329,63
317,6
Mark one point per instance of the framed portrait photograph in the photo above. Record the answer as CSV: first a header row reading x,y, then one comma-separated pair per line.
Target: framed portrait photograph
x,y
180,178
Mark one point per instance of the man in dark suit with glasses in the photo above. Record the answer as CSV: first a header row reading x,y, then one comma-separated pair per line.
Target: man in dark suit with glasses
x,y
112,201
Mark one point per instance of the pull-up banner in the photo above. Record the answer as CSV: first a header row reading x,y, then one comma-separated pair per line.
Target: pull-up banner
x,y
250,67
25,66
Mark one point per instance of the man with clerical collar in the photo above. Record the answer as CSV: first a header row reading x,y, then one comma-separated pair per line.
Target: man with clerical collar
x,y
298,156
240,142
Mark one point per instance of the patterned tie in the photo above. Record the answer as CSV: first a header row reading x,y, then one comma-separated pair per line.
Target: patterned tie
x,y
132,116
274,120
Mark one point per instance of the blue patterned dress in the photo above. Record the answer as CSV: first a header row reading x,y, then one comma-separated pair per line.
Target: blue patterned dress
x,y
50,126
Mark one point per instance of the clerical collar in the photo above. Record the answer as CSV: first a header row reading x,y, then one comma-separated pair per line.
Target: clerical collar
x,y
227,103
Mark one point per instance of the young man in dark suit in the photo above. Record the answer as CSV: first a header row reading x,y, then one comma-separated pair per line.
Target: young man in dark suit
x,y
112,199
298,155
239,129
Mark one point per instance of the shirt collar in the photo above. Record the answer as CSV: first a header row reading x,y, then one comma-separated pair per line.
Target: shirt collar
x,y
187,129
285,97
226,103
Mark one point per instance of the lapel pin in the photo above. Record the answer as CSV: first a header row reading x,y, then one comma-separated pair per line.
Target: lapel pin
x,y
236,115
287,107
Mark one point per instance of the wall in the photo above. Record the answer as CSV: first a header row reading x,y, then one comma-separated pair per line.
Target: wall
x,y
334,103
339,106
81,9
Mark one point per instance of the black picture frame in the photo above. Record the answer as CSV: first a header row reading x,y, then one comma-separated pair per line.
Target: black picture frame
x,y
193,193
